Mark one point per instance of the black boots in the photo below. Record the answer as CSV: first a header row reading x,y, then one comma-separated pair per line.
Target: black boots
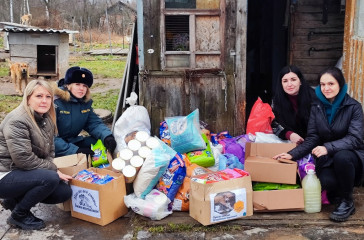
x,y
343,211
8,204
24,219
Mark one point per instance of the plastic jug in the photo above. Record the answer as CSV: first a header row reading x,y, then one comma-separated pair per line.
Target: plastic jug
x,y
312,192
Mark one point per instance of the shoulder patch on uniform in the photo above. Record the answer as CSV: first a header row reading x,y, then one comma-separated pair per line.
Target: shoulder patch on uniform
x,y
85,110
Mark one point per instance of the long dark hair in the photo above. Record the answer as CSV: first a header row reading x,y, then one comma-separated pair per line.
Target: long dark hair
x,y
283,108
335,73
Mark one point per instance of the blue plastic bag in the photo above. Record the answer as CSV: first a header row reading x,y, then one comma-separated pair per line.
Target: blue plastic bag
x,y
185,133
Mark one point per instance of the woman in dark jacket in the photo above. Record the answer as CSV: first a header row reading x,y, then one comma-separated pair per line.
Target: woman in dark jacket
x,y
291,105
27,172
335,137
75,113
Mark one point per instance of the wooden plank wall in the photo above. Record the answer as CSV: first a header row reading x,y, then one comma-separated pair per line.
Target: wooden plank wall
x,y
307,34
353,62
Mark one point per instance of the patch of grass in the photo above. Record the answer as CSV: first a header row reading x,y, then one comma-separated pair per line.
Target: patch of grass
x,y
4,69
106,100
9,103
101,66
191,228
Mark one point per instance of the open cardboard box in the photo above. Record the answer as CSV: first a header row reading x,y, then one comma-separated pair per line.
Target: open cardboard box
x,y
262,167
207,208
70,165
99,203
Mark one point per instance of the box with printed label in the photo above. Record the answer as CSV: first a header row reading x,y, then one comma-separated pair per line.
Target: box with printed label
x,y
221,201
99,203
262,167
70,165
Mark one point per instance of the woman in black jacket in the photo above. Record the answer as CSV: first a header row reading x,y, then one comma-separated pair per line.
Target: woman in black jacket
x,y
291,105
335,137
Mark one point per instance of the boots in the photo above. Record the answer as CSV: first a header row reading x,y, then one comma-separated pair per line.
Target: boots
x,y
343,211
8,204
24,219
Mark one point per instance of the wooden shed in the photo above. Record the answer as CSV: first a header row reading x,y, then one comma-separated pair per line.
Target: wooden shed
x,y
45,50
220,55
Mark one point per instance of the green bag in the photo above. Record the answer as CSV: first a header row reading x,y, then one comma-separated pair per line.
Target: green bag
x,y
100,156
203,158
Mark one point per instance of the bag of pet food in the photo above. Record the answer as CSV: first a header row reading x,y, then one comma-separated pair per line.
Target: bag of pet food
x,y
185,133
204,157
100,156
172,178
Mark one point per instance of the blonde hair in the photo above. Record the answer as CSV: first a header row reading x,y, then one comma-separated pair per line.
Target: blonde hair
x,y
31,86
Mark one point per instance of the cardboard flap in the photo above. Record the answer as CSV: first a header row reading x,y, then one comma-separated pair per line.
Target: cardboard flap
x,y
267,149
70,160
282,160
258,206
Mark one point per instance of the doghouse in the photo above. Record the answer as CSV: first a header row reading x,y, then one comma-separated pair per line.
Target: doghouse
x,y
45,50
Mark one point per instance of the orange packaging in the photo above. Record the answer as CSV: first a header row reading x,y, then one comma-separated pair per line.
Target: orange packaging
x,y
181,200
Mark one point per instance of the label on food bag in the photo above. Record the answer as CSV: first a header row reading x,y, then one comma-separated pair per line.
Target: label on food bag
x,y
228,205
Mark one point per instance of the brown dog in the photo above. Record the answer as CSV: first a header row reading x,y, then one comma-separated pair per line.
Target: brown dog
x,y
26,19
19,72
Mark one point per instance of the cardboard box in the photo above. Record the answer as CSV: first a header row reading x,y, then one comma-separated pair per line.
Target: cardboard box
x,y
70,165
99,203
221,201
278,200
262,167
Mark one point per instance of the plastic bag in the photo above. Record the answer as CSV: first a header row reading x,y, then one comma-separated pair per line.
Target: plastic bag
x,y
172,178
260,118
155,205
203,158
152,169
236,146
181,201
100,156
303,163
185,133
268,138
134,118
229,160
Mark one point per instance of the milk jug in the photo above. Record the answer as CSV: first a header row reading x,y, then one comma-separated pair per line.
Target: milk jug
x,y
312,192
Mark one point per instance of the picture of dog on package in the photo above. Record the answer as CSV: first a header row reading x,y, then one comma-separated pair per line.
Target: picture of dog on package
x,y
224,202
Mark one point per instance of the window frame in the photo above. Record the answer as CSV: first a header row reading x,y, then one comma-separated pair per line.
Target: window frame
x,y
192,13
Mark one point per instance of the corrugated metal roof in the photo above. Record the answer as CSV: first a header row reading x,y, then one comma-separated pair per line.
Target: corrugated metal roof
x,y
38,30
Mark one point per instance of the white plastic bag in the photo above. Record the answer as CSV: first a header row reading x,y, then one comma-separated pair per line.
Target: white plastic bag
x,y
152,169
155,205
268,138
135,118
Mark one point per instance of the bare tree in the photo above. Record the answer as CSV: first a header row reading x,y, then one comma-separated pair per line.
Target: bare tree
x,y
11,11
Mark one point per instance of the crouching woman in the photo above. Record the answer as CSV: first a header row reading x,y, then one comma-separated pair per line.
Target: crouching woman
x,y
27,173
335,137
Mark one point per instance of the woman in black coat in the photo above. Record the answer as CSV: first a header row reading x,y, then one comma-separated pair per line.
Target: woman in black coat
x,y
291,105
335,137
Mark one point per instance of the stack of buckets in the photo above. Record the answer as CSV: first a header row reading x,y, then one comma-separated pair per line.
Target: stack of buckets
x,y
131,158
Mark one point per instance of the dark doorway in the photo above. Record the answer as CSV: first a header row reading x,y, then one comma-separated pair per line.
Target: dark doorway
x,y
267,43
46,56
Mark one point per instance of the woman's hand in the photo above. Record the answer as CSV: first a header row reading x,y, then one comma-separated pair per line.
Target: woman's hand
x,y
283,155
319,151
295,138
64,177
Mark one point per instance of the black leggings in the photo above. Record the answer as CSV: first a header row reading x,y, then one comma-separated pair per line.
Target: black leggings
x,y
28,188
340,177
